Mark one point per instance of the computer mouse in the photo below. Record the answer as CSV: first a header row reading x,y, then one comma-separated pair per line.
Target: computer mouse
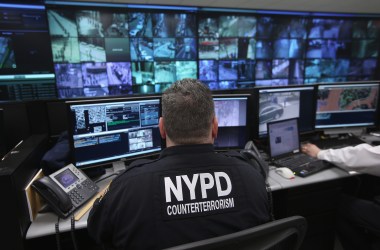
x,y
285,172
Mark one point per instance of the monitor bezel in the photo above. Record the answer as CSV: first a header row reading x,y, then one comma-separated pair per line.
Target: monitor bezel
x,y
232,95
256,108
354,128
108,100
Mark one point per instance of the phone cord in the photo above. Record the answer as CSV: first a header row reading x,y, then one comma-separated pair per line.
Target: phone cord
x,y
57,235
73,232
270,200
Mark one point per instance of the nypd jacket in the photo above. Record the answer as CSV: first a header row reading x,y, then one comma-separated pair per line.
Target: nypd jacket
x,y
190,193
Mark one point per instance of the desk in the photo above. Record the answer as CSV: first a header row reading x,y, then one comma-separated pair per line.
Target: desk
x,y
44,224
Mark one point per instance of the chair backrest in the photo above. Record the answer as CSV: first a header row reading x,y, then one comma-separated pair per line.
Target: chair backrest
x,y
287,233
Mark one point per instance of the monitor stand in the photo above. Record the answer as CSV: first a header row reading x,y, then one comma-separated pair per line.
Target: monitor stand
x,y
345,131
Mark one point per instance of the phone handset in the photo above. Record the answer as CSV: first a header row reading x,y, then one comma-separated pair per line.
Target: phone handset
x,y
66,190
57,199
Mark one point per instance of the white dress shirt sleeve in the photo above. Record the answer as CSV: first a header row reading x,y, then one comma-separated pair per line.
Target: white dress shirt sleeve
x,y
363,158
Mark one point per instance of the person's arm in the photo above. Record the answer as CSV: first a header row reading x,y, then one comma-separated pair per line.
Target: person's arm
x,y
363,157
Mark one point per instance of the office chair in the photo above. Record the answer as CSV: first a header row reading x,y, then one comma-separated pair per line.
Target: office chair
x,y
285,234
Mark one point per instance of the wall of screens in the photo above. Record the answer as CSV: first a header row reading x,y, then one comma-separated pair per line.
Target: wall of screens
x,y
101,49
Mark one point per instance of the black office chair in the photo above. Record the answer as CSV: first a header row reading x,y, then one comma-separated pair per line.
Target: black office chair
x,y
284,234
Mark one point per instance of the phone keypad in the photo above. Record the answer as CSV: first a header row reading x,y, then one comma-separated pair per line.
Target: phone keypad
x,y
82,191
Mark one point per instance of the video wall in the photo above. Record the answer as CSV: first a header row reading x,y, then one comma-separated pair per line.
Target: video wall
x,y
115,49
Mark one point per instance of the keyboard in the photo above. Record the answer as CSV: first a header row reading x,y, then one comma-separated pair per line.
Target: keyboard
x,y
295,161
302,165
335,143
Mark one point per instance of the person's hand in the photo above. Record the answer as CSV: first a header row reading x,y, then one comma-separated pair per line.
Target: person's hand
x,y
310,149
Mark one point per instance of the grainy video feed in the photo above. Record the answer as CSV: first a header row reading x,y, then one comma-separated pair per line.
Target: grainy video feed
x,y
186,48
373,29
296,81
140,24
296,69
115,24
164,25
65,49
356,67
95,79
296,48
141,49
246,48
369,67
185,25
161,87
265,27
7,54
144,88
314,48
330,28
264,49
117,49
278,106
327,68
298,28
280,68
335,49
143,73
263,69
342,67
245,84
208,48
281,48
228,70
164,48
313,68
227,85
246,70
365,48
212,85
165,72
208,70
68,75
228,26
247,26
208,27
119,73
228,48
186,69
281,28
92,49
62,23
89,24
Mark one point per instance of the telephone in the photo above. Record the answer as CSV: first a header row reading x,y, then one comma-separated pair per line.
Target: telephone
x,y
65,190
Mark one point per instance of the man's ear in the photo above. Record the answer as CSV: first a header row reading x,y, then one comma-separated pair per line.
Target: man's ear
x,y
162,128
214,131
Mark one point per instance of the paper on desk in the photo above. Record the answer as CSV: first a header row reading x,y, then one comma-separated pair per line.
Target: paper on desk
x,y
78,215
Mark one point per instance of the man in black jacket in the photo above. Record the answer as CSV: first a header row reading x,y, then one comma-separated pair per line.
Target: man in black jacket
x,y
190,192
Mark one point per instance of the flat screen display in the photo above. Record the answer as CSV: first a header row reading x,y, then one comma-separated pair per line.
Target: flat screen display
x,y
231,112
108,130
26,65
275,104
347,105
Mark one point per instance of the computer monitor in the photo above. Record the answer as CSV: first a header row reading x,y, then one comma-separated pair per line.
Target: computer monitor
x,y
26,65
280,103
107,130
2,135
231,112
346,106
